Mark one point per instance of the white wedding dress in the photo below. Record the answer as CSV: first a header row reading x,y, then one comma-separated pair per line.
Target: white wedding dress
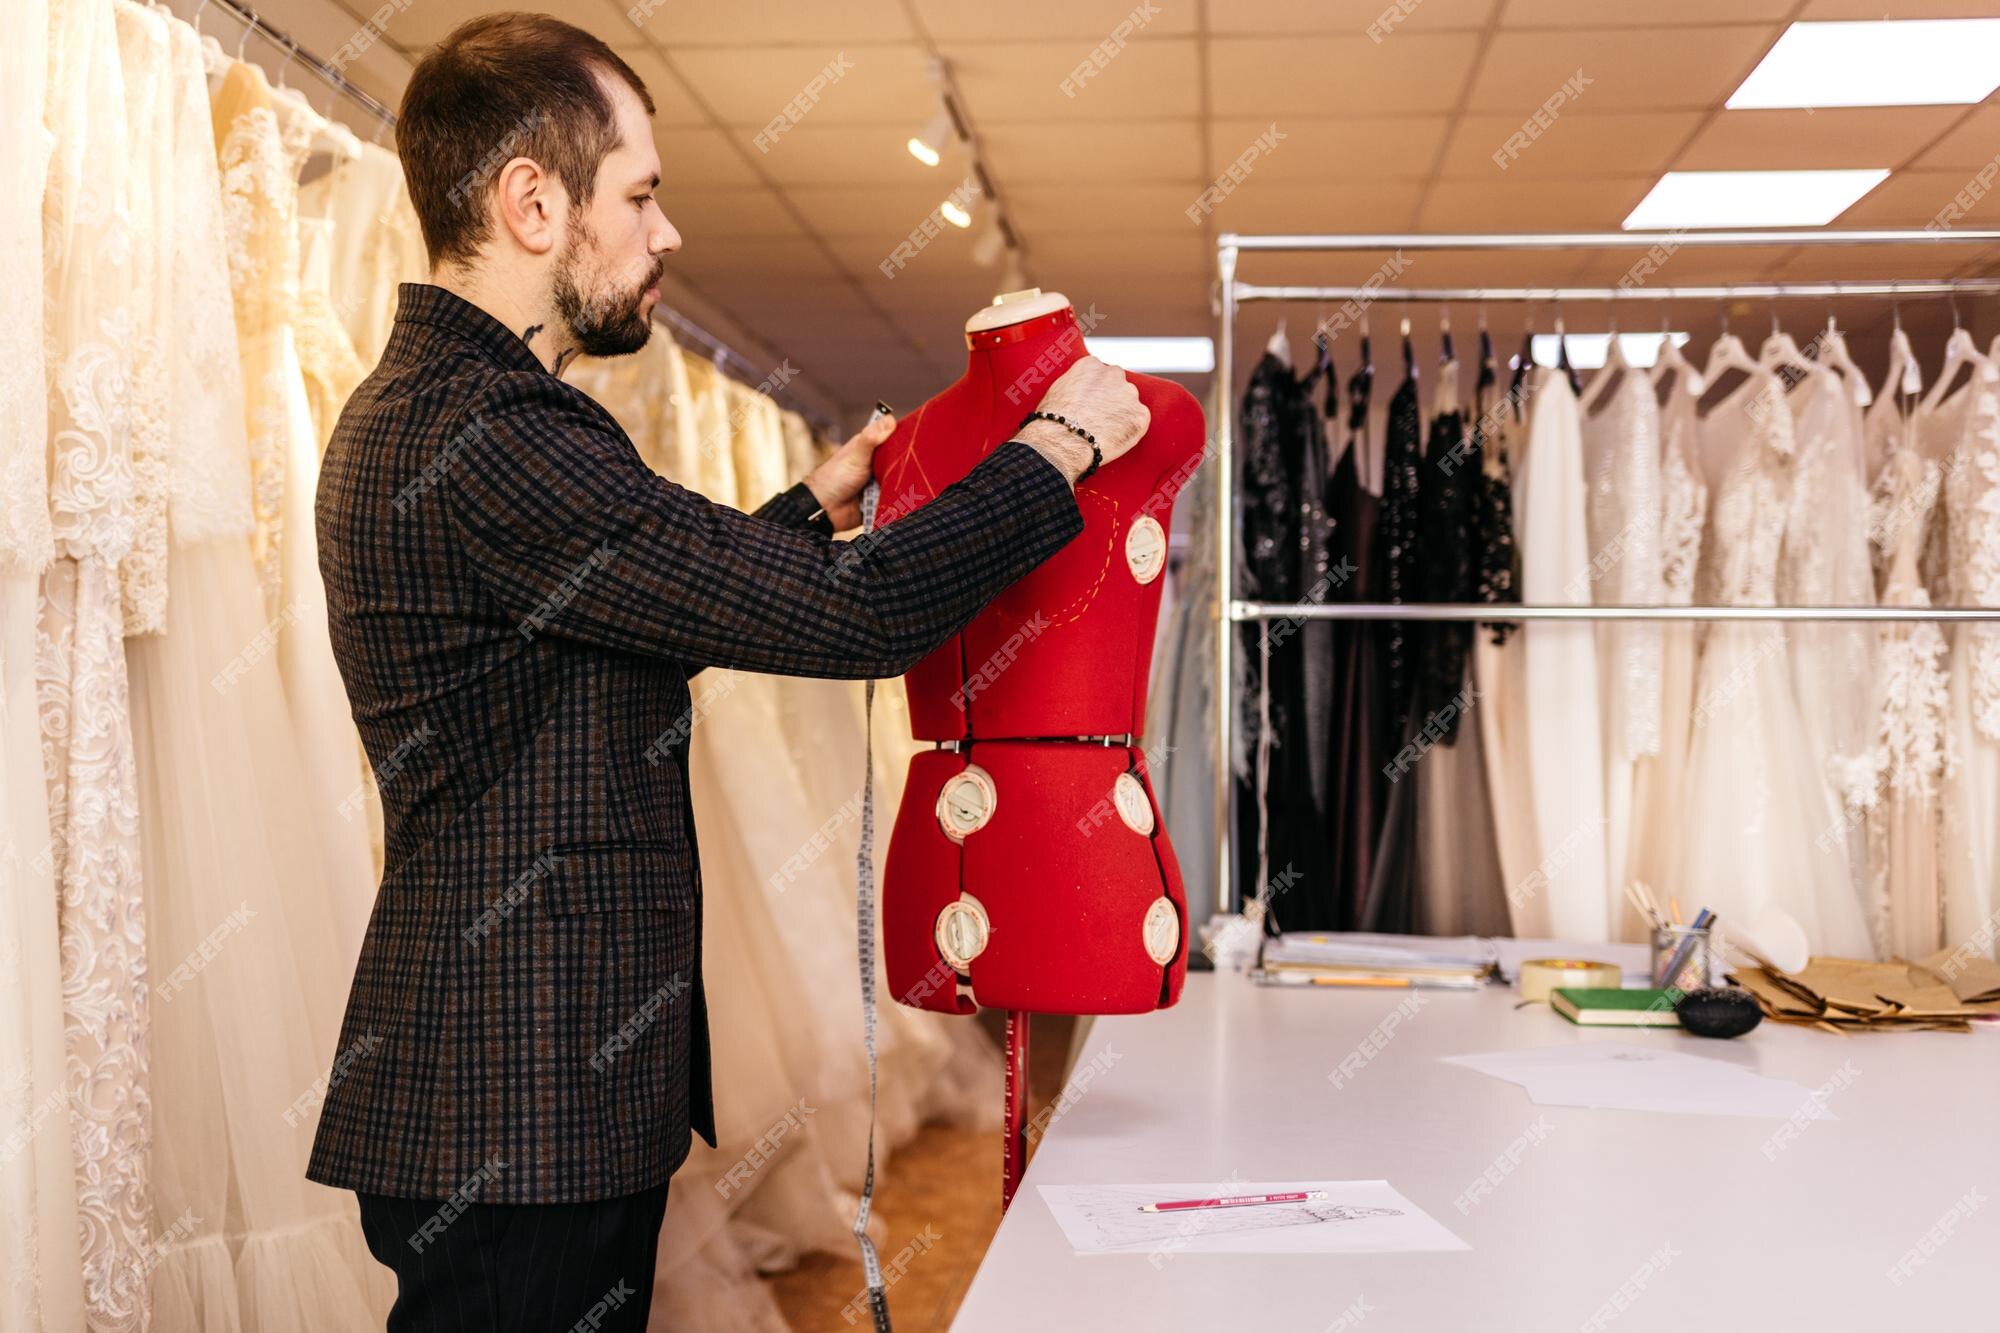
x,y
1567,895
1756,812
246,986
1969,841
1621,435
1825,560
41,1269
86,727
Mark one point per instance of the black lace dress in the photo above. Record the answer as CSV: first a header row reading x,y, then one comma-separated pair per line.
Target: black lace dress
x,y
1285,532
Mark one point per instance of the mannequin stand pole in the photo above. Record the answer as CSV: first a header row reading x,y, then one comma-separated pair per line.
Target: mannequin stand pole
x,y
1014,1147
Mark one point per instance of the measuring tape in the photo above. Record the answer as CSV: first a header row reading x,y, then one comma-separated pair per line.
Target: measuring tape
x,y
864,910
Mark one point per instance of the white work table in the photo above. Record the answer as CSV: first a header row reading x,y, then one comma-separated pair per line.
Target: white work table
x,y
1601,1219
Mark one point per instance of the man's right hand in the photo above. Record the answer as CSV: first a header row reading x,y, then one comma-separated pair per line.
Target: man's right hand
x,y
1098,398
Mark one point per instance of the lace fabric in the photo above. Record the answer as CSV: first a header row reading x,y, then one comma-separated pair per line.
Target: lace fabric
x,y
1622,471
92,329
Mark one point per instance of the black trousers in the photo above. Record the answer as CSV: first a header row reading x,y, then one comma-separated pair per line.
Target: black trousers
x,y
517,1268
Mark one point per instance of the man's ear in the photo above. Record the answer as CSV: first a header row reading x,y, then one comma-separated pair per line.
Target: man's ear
x,y
530,203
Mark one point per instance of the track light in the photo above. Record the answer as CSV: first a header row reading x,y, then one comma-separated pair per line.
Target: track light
x,y
928,146
955,213
986,250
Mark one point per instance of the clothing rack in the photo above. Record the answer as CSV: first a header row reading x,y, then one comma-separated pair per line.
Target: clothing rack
x,y
332,77
1233,294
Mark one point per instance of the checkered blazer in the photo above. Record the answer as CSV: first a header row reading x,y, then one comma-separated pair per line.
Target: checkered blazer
x,y
517,603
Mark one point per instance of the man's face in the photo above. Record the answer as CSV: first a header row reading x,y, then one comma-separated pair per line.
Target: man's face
x,y
607,276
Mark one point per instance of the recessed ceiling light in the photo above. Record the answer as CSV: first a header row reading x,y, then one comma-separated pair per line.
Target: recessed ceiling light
x,y
1751,198
1887,62
1155,356
1588,350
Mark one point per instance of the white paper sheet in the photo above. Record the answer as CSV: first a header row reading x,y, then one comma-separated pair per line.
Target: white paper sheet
x,y
1356,1217
1633,1076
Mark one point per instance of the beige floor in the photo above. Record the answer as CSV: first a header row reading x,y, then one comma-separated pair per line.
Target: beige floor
x,y
942,1189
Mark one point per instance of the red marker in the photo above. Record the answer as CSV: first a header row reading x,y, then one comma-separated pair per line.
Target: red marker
x,y
1231,1201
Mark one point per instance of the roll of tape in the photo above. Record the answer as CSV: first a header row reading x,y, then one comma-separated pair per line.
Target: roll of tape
x,y
1539,976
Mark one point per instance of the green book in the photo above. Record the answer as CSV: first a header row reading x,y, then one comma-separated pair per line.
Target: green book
x,y
1647,1007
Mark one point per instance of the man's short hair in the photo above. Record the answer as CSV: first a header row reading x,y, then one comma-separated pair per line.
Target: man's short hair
x,y
499,87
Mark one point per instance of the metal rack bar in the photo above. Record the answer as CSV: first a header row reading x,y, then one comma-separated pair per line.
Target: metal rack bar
x,y
1600,240
1505,612
1731,291
1230,612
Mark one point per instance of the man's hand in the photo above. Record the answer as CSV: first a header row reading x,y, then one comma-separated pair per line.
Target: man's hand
x,y
1098,398
838,482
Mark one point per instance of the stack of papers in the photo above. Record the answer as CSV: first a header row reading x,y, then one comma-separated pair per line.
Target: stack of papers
x,y
1645,1076
1943,992
1461,964
1355,1217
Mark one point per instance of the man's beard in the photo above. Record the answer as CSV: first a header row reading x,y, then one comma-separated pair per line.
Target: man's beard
x,y
606,323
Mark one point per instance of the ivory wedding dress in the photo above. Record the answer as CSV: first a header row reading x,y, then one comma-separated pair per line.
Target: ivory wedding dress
x,y
245,988
260,145
81,682
41,1270
1969,839
1659,786
1621,434
1755,817
1567,895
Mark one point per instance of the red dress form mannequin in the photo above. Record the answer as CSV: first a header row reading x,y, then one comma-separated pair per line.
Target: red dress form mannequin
x,y
1029,869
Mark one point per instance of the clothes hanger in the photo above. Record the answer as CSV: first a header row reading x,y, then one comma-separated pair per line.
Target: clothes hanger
x,y
1523,360
1445,401
1960,353
1833,351
1280,345
1409,352
1489,373
1670,361
1361,386
1562,356
1610,375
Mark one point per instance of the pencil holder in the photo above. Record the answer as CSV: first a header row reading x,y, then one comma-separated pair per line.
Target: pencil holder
x,y
1681,957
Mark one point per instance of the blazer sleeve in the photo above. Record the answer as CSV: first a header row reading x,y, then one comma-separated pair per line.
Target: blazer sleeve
x,y
576,537
796,508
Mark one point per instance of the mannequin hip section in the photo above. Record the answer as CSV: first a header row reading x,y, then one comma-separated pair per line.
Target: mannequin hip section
x,y
1033,875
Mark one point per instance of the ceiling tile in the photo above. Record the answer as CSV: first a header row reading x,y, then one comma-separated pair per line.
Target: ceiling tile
x,y
1266,206
879,216
423,24
1655,69
1088,21
677,26
1881,136
1345,16
705,260
700,211
1639,13
1580,144
1532,205
814,154
1972,143
1902,9
1917,198
694,159
672,104
752,85
1317,150
1055,81
1153,151
1325,76
1048,210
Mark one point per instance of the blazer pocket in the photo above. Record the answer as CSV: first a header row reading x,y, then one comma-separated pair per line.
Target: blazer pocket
x,y
618,877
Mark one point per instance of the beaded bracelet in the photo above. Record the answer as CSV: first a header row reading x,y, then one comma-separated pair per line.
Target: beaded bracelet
x,y
1096,454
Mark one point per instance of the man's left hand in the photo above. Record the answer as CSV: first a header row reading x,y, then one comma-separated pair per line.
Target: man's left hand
x,y
838,482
